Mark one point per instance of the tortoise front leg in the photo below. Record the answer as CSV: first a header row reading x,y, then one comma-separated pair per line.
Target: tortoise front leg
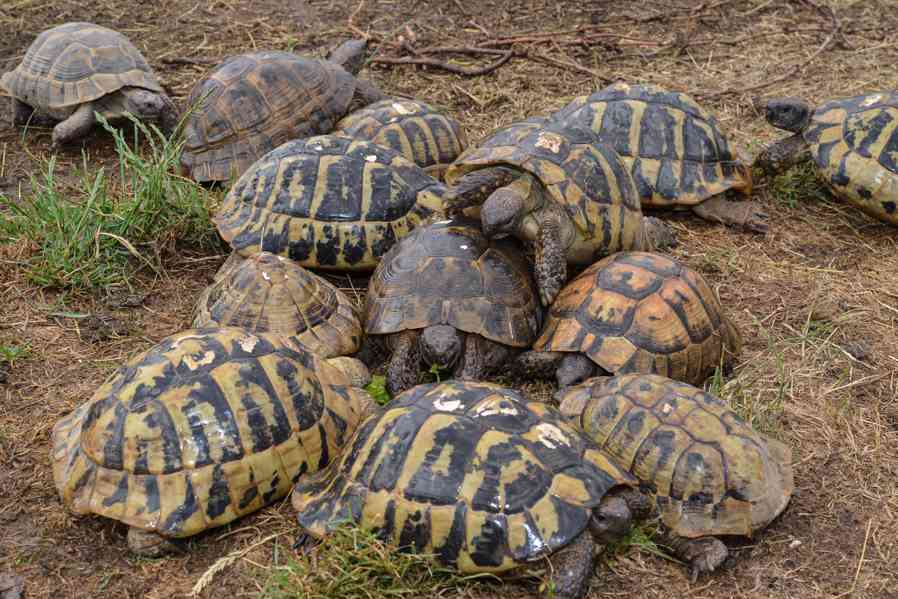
x,y
475,187
21,112
572,567
704,554
574,368
747,215
77,126
550,261
537,364
402,372
783,155
480,357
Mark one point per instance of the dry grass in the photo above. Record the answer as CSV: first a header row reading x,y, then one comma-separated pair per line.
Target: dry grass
x,y
816,298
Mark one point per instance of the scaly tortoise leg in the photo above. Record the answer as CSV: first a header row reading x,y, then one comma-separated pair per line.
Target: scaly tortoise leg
x,y
475,187
574,368
657,234
149,544
783,155
703,555
537,364
21,112
747,215
572,567
402,372
550,265
481,356
77,126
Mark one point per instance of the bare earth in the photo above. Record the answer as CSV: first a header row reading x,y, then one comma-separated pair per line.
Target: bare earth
x,y
816,298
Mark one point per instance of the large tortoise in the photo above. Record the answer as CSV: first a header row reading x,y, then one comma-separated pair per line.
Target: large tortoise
x,y
853,143
328,202
266,293
204,427
634,312
252,103
478,477
74,70
710,473
555,185
676,151
447,296
429,138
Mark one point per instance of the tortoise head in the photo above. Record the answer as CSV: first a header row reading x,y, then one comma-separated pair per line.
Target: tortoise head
x,y
789,114
350,55
610,520
503,212
150,105
441,345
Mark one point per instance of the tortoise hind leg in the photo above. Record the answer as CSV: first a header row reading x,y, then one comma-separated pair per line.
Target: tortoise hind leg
x,y
77,126
480,357
149,544
704,554
747,215
572,567
402,372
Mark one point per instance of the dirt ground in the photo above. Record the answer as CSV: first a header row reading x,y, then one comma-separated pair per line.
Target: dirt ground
x,y
816,298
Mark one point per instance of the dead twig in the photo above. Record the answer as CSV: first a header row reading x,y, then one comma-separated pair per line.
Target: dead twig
x,y
177,60
446,66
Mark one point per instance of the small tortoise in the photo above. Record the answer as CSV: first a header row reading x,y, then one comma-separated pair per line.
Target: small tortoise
x,y
634,312
478,477
710,473
676,151
269,293
252,103
74,70
449,297
557,186
418,131
853,143
328,202
205,427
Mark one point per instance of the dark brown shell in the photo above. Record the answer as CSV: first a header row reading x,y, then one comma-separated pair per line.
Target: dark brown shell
x,y
642,312
76,63
449,273
252,103
266,293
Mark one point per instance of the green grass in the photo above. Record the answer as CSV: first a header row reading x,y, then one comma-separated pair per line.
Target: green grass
x,y
12,353
377,389
353,563
798,184
101,231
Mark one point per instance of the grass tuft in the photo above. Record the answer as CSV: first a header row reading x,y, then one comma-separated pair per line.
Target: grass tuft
x,y
798,184
102,232
353,563
377,389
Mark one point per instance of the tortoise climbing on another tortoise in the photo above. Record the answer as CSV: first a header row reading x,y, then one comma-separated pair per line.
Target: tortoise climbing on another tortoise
x,y
710,473
429,138
447,296
266,293
476,476
634,312
557,186
205,427
675,149
74,70
252,103
853,143
328,202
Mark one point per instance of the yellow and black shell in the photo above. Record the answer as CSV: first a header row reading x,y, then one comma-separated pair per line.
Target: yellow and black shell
x,y
711,474
449,273
266,293
76,63
675,149
642,312
201,429
854,143
469,472
429,138
583,175
328,202
252,103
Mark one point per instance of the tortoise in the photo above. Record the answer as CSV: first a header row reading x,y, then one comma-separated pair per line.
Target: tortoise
x,y
634,312
676,151
270,293
76,69
852,143
709,472
429,138
557,186
206,426
476,476
328,202
252,103
448,296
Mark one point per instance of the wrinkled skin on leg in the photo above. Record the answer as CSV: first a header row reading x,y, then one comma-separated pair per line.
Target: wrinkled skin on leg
x,y
657,234
149,544
704,554
537,364
21,112
365,93
475,187
747,215
76,127
402,371
481,357
575,368
782,155
550,267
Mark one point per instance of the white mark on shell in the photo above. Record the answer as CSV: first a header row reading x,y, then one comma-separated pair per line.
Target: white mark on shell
x,y
442,222
667,408
463,247
447,405
872,100
549,141
208,358
495,408
551,436
317,148
402,108
248,342
187,337
370,158
266,276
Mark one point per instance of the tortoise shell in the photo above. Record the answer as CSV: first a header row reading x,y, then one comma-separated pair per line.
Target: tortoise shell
x,y
269,293
327,202
675,150
642,312
449,273
710,472
579,172
418,131
252,103
201,429
469,472
76,63
854,143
